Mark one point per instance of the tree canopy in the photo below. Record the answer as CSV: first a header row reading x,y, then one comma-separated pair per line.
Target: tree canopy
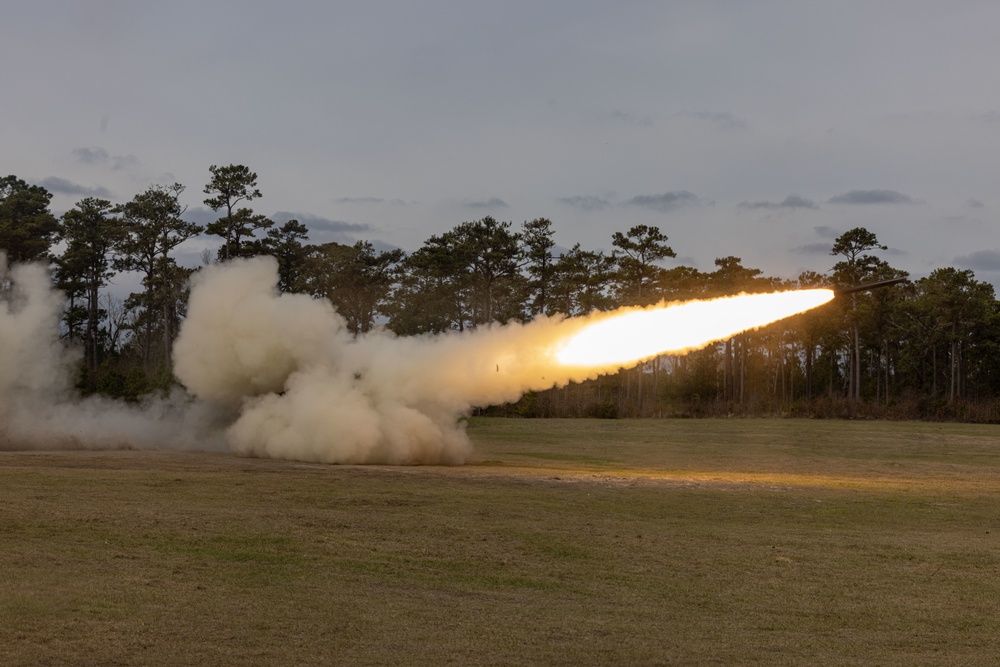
x,y
27,227
927,348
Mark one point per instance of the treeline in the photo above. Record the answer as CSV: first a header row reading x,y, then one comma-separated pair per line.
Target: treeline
x,y
929,348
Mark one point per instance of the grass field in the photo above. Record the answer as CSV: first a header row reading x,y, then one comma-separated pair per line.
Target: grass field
x,y
563,542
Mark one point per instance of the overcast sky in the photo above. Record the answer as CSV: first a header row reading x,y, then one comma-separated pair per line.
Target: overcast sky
x,y
757,129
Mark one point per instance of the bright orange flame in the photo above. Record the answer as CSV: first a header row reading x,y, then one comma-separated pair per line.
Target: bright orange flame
x,y
641,334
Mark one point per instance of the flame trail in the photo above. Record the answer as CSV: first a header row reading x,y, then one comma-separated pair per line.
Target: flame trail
x,y
634,335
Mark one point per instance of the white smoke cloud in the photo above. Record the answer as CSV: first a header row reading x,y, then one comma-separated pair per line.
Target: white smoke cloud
x,y
38,407
307,390
279,375
274,375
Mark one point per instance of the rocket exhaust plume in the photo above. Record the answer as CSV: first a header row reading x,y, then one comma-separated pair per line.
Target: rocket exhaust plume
x,y
628,337
304,389
279,375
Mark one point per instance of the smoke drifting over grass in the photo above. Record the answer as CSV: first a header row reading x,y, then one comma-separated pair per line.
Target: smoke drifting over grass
x,y
269,374
279,375
39,408
306,389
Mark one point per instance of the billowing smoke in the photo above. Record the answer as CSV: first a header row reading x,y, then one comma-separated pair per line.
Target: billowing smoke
x,y
307,390
271,374
279,375
39,408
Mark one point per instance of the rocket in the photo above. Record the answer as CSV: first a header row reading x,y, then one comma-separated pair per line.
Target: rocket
x,y
841,291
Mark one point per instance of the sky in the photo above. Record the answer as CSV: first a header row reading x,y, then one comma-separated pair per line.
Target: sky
x,y
761,130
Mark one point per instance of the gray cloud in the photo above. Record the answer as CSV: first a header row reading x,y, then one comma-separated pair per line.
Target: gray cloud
x,y
61,186
630,118
980,260
321,230
367,200
872,197
324,230
201,215
682,260
91,155
585,202
962,220
722,119
320,224
119,162
99,156
668,201
381,246
791,201
987,117
359,200
492,202
813,249
975,203
823,231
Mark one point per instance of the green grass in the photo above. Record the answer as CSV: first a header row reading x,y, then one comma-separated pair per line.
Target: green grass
x,y
563,542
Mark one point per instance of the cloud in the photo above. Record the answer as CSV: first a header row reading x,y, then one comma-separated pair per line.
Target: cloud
x,y
119,162
367,200
100,157
492,202
585,202
381,246
819,247
320,223
323,230
980,260
668,201
201,215
359,200
872,197
974,203
61,186
630,118
91,155
813,249
682,260
721,119
790,202
987,117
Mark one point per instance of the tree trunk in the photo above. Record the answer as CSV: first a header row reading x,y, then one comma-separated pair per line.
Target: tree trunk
x,y
857,365
953,371
92,315
743,368
934,377
729,381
